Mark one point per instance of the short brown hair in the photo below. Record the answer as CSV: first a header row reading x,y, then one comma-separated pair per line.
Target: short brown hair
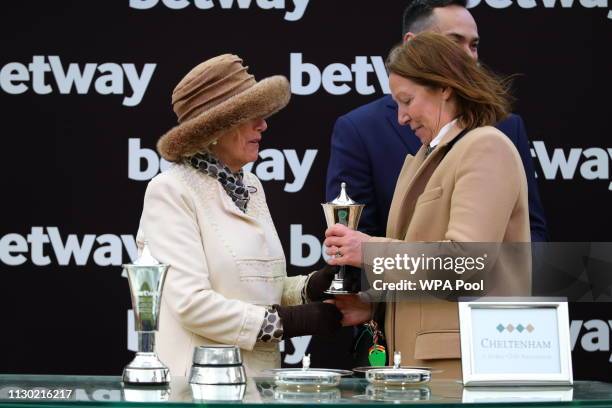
x,y
432,60
418,15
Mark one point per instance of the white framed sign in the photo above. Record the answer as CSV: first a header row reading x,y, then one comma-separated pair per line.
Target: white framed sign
x,y
506,342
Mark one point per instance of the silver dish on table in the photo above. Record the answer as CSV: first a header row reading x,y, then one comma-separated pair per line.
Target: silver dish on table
x,y
307,378
311,378
398,375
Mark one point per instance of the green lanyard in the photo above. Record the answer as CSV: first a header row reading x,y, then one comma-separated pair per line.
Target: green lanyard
x,y
377,355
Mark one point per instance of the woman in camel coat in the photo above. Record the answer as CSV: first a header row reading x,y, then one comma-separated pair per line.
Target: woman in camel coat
x,y
466,184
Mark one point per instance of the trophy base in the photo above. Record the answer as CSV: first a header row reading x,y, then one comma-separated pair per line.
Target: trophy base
x,y
146,369
337,287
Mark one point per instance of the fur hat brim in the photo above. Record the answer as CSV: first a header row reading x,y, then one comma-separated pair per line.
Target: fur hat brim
x,y
262,100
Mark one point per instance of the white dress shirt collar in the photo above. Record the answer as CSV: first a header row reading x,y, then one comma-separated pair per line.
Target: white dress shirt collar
x,y
436,140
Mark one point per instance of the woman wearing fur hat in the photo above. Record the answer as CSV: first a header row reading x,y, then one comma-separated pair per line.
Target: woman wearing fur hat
x,y
208,219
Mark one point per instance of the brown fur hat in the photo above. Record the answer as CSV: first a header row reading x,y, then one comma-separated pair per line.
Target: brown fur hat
x,y
214,97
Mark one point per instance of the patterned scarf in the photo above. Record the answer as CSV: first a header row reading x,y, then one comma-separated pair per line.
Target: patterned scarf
x,y
231,182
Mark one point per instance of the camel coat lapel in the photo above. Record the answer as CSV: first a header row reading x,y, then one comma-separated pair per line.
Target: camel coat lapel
x,y
413,178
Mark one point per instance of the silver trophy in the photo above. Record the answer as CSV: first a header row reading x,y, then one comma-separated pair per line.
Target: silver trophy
x,y
342,210
146,277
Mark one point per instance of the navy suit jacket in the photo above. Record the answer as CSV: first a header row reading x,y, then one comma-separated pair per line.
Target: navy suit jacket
x,y
368,150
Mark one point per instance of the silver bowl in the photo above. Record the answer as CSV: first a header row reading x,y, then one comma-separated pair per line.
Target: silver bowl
x,y
217,365
217,355
221,375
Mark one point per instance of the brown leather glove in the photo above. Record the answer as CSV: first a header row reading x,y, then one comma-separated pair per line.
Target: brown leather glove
x,y
312,318
319,282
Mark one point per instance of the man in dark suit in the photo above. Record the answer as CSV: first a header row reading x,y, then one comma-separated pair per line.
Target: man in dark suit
x,y
369,147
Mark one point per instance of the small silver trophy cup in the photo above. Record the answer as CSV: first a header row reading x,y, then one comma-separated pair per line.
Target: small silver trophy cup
x,y
146,277
342,210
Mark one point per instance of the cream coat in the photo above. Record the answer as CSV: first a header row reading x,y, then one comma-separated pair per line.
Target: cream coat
x,y
474,192
225,266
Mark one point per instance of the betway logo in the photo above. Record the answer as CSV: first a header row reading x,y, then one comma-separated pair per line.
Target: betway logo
x,y
595,338
45,246
337,78
529,4
592,163
277,165
297,10
16,249
110,78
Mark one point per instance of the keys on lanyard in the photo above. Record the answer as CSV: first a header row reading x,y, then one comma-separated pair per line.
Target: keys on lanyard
x,y
377,354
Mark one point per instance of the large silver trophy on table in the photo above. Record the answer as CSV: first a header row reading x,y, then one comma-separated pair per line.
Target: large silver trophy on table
x,y
342,210
146,277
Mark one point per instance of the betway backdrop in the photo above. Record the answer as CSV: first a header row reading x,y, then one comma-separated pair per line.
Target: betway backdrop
x,y
85,93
